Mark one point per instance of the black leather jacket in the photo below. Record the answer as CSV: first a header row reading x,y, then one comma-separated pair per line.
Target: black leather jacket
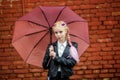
x,y
65,62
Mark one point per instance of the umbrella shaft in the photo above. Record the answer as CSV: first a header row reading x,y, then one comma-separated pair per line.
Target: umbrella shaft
x,y
50,35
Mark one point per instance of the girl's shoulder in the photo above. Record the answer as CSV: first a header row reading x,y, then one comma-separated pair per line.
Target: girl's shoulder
x,y
74,43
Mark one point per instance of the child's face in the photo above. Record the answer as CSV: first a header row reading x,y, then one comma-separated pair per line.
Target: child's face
x,y
60,34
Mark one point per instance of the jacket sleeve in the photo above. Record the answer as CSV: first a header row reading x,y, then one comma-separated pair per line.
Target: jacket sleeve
x,y
66,61
46,59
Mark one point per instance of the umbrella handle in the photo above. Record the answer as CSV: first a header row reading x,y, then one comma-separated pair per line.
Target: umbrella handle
x,y
50,49
49,61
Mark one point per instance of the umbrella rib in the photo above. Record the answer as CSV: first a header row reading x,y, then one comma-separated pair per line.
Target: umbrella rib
x,y
75,21
45,17
59,14
36,45
31,34
35,32
79,37
38,24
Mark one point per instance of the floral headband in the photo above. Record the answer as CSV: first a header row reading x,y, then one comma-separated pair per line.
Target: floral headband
x,y
60,23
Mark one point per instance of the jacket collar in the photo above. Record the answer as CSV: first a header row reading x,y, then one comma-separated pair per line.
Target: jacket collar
x,y
65,52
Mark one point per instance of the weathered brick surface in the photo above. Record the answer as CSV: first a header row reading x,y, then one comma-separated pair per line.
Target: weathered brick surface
x,y
101,61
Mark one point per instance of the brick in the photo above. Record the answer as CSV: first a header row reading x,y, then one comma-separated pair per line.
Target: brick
x,y
95,23
5,67
21,71
117,74
30,1
3,63
44,74
20,75
118,70
116,30
83,67
96,62
111,62
18,62
108,57
88,71
70,3
117,66
112,70
28,79
117,52
95,58
103,14
110,22
96,71
3,72
6,58
76,68
12,76
104,31
87,6
105,40
107,66
12,67
4,28
93,49
106,75
102,26
115,5
116,48
107,49
103,62
83,59
116,39
97,44
117,61
97,1
102,18
36,75
80,72
88,63
29,75
5,54
104,71
95,67
34,70
93,76
75,77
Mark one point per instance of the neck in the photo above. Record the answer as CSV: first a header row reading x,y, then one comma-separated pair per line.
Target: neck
x,y
61,41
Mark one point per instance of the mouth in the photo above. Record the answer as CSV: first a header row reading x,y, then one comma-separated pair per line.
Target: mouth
x,y
59,37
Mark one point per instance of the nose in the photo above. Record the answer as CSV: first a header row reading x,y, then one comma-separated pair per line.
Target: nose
x,y
58,34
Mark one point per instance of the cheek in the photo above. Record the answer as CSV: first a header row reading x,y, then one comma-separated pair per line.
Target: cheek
x,y
55,35
64,34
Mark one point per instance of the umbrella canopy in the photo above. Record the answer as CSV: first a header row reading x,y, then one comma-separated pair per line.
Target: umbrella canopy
x,y
33,32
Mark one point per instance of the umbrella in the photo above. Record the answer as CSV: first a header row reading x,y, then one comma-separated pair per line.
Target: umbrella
x,y
33,32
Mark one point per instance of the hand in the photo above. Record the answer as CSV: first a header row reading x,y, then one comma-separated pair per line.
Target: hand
x,y
51,48
52,53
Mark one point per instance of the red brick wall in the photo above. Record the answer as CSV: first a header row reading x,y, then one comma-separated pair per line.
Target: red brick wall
x,y
101,61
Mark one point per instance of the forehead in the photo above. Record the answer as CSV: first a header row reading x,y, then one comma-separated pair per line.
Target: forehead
x,y
59,29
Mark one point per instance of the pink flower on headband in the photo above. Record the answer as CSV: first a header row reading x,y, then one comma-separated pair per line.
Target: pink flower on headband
x,y
60,23
63,24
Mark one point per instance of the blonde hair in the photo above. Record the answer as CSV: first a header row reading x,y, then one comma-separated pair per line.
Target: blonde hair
x,y
61,25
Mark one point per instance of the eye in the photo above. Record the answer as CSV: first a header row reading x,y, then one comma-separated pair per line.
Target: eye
x,y
56,32
60,31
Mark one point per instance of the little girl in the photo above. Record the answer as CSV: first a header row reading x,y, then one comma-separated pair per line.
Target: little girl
x,y
57,58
